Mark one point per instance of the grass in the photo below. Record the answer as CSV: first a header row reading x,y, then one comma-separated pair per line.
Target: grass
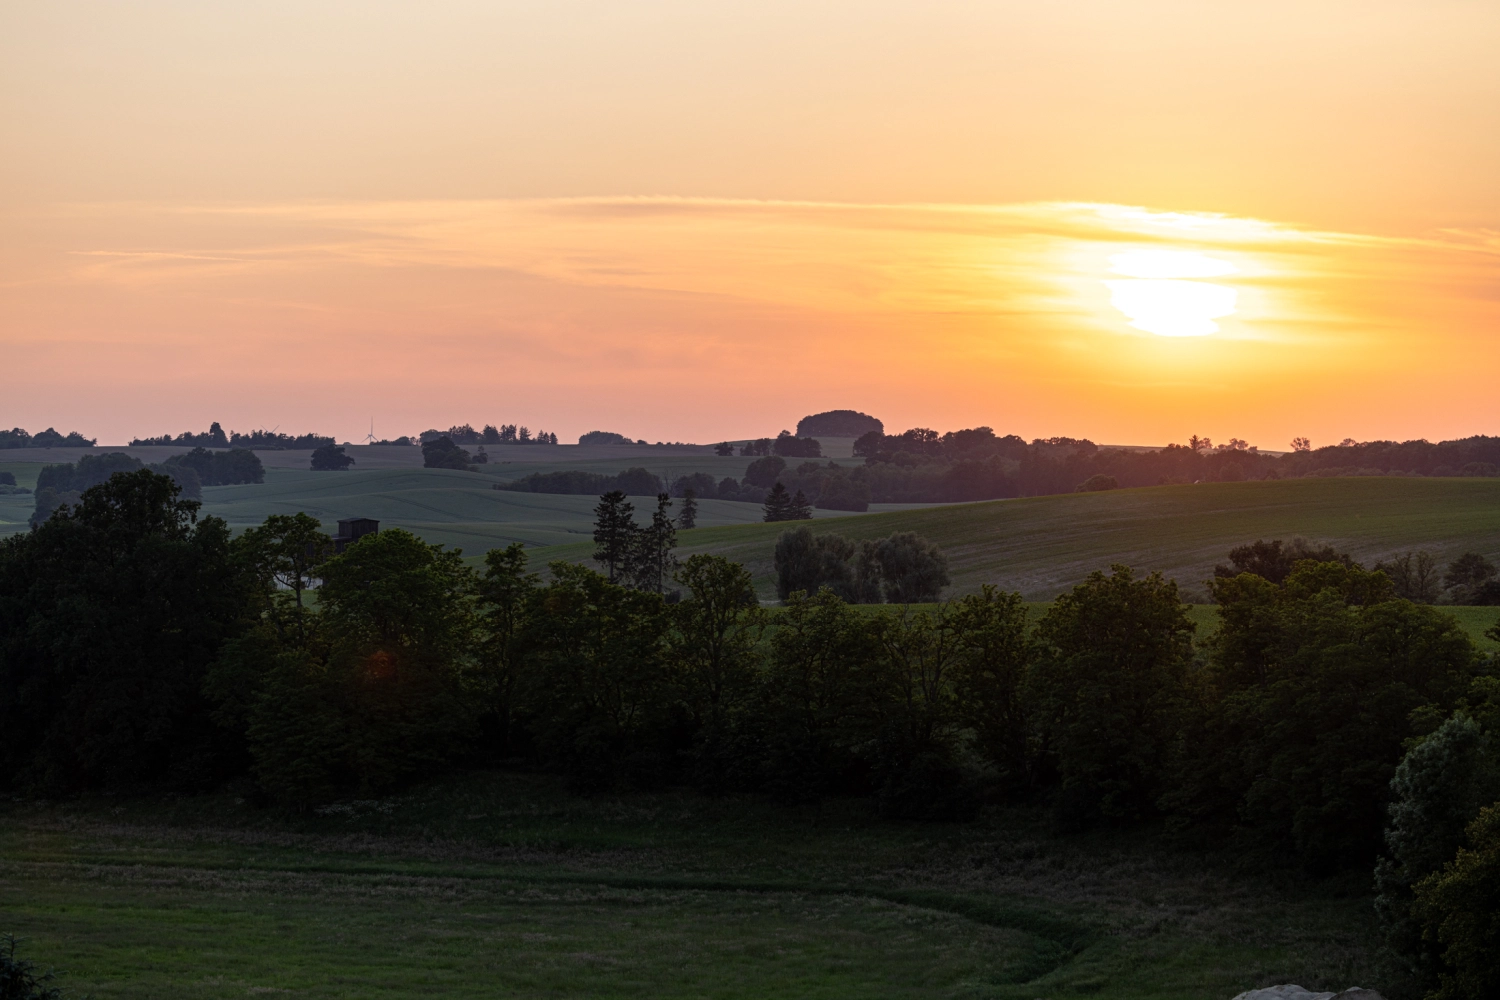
x,y
1041,546
495,884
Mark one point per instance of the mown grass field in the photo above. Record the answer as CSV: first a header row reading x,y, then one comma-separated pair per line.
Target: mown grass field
x,y
503,885
1040,546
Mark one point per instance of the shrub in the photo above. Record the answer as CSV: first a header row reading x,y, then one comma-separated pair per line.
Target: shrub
x,y
1097,483
912,569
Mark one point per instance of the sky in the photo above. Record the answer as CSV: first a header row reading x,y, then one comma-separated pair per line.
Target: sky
x,y
687,221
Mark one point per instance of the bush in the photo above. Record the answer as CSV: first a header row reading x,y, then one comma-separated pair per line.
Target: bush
x,y
1097,484
442,453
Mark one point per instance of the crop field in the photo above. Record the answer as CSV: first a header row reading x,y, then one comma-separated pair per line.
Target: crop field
x,y
503,885
1043,545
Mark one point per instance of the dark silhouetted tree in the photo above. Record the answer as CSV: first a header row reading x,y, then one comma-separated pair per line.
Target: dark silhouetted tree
x,y
688,518
614,534
778,504
799,509
331,458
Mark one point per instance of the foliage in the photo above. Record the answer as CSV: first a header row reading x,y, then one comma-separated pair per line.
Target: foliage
x,y
1275,560
1438,789
1310,694
224,468
1414,576
19,979
994,657
442,453
912,569
838,423
688,517
505,608
778,505
603,437
764,471
633,482
1108,689
331,458
49,438
790,446
1097,483
1467,576
1459,908
600,689
614,534
651,558
109,614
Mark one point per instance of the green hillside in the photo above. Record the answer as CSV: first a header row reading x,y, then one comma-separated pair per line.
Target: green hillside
x,y
1042,545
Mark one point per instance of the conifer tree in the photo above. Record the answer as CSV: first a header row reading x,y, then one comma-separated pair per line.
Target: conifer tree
x,y
653,561
614,534
778,504
800,509
689,516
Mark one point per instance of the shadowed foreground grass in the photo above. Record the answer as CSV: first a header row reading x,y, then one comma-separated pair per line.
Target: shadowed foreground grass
x,y
503,885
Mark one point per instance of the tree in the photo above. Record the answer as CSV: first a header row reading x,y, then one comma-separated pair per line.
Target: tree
x,y
1107,690
1460,911
1097,483
778,504
602,689
807,563
916,757
1439,788
331,458
990,679
652,560
723,449
799,509
1301,444
286,551
614,534
506,605
912,569
1311,691
819,695
110,613
1275,560
1414,574
689,516
1467,576
764,471
442,453
19,979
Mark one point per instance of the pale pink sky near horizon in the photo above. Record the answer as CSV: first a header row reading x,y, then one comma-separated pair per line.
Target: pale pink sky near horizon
x,y
694,222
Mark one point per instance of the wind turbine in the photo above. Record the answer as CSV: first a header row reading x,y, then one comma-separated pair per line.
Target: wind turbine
x,y
370,437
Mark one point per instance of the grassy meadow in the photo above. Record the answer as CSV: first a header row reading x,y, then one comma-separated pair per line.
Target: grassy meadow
x,y
504,885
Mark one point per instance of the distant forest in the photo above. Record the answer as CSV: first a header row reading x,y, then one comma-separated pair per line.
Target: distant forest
x,y
215,437
49,438
504,434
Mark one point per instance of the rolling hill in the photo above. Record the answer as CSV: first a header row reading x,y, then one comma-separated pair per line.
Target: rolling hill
x,y
1042,545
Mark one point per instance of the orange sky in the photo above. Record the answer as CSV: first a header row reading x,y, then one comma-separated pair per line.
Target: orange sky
x,y
690,221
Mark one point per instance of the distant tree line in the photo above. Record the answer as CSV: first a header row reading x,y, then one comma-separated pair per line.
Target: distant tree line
x,y
504,434
49,438
215,437
1326,720
839,423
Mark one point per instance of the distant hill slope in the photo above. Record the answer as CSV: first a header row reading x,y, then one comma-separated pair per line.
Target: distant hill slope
x,y
1042,545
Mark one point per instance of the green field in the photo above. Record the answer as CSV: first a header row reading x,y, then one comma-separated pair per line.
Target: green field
x,y
502,885
1043,545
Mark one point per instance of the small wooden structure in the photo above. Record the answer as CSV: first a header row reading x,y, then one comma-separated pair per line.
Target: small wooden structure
x,y
351,530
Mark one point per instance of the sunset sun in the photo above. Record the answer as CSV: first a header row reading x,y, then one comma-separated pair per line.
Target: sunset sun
x,y
1159,294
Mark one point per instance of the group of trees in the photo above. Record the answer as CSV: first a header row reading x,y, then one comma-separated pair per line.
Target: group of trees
x,y
839,423
49,438
902,569
64,483
1326,720
215,437
504,434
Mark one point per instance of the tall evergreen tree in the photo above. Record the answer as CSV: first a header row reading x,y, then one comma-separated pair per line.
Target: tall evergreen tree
x,y
800,509
689,516
654,562
614,534
778,504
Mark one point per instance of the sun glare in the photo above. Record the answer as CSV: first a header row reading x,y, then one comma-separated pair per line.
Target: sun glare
x,y
1158,297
